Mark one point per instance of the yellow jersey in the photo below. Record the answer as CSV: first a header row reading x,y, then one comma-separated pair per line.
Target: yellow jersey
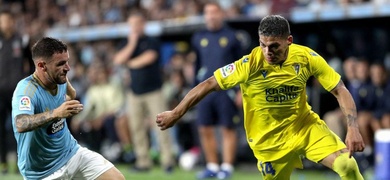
x,y
274,96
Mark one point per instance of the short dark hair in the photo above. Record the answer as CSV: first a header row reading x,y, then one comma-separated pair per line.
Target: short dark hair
x,y
46,47
275,26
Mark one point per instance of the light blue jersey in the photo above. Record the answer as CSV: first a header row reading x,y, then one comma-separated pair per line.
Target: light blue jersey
x,y
43,151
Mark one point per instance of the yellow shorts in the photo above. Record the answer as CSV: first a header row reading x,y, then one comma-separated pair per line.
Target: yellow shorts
x,y
314,142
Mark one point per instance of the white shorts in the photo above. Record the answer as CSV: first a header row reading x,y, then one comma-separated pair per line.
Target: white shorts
x,y
85,164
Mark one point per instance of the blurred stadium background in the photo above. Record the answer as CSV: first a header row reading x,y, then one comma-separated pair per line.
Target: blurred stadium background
x,y
94,30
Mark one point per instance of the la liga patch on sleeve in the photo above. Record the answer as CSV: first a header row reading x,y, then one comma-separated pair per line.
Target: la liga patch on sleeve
x,y
227,70
25,103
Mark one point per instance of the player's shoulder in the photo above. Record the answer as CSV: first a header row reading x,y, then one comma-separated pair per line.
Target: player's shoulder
x,y
302,51
254,58
27,86
256,53
299,49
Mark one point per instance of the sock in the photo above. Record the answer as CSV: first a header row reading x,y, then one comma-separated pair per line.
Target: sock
x,y
213,167
346,167
227,167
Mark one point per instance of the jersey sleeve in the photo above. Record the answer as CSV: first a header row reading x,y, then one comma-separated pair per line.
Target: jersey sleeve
x,y
233,74
23,101
321,70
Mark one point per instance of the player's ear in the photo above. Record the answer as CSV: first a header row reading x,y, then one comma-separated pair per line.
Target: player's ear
x,y
289,39
42,65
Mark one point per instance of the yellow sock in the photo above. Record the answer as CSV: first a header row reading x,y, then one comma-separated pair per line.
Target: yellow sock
x,y
346,167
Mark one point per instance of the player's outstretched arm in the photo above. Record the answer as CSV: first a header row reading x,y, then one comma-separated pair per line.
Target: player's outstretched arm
x,y
354,140
27,122
167,119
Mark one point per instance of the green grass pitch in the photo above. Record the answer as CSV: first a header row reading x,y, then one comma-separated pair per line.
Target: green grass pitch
x,y
242,172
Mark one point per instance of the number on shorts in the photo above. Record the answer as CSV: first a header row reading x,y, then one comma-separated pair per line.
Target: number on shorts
x,y
267,168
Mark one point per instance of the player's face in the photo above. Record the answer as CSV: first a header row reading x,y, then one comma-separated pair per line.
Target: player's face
x,y
213,17
58,67
275,49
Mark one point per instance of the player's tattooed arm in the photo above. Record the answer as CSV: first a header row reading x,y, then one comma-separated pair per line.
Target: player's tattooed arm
x,y
346,103
26,122
353,138
351,120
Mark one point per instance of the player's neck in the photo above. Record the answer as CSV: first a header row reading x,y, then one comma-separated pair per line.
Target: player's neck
x,y
44,82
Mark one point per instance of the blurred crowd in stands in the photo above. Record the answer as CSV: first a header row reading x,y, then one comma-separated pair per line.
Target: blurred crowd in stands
x,y
100,84
36,15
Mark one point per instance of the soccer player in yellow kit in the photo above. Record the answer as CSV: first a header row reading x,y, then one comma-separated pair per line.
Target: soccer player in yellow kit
x,y
280,126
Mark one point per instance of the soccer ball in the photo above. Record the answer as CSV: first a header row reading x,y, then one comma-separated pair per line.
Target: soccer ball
x,y
188,160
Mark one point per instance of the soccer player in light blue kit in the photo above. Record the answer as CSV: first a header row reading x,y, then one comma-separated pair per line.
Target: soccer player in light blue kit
x,y
40,105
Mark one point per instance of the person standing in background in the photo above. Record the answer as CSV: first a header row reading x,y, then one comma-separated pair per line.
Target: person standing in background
x,y
13,67
216,46
140,55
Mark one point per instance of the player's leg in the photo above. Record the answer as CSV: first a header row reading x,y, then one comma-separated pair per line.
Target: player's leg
x,y
321,145
89,165
156,105
342,164
86,165
280,169
112,173
138,131
206,128
227,118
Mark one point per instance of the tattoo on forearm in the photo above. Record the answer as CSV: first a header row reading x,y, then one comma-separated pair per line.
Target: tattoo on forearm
x,y
351,120
351,117
25,122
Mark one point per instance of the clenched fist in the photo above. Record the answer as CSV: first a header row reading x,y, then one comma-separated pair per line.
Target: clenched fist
x,y
166,119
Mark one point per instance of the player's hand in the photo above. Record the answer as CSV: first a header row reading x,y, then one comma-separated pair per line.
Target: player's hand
x,y
166,119
354,141
68,109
